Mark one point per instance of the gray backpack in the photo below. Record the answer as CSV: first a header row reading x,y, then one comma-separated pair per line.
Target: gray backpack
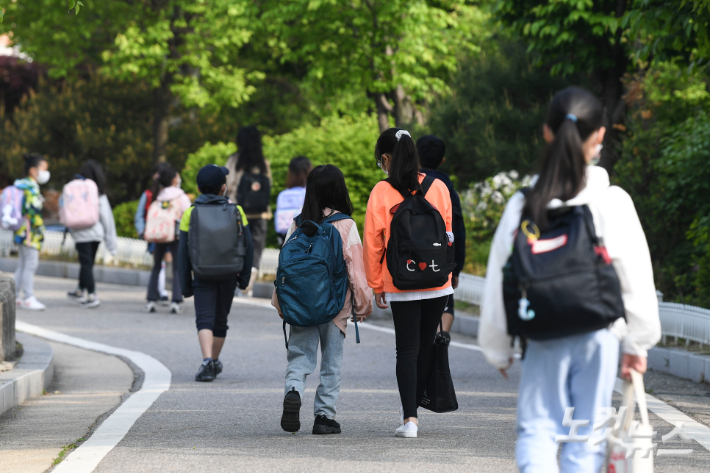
x,y
216,241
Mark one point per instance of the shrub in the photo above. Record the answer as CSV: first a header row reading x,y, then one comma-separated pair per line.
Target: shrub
x,y
124,214
208,154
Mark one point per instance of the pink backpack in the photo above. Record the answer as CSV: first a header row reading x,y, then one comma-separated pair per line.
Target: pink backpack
x,y
11,208
160,225
79,204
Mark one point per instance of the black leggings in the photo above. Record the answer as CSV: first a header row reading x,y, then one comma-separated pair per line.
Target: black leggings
x,y
415,324
87,256
158,255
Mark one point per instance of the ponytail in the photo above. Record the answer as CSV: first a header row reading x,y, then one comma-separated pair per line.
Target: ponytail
x,y
573,116
162,178
404,165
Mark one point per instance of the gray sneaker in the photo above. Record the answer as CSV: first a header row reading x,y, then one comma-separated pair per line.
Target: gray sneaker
x,y
175,308
91,302
149,307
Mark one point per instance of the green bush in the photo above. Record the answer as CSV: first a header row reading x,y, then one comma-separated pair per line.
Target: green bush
x,y
344,142
124,214
664,168
208,154
483,205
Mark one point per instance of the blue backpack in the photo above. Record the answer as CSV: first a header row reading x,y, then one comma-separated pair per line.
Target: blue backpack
x,y
312,279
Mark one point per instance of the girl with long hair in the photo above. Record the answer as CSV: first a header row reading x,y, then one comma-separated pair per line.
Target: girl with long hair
x,y
87,240
416,313
326,194
575,371
250,175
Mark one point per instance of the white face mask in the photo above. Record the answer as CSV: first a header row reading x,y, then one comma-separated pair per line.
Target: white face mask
x,y
42,177
597,155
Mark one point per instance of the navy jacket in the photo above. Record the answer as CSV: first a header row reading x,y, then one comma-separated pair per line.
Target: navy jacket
x,y
458,225
184,263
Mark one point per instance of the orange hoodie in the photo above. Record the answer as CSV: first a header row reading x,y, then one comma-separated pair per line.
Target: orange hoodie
x,y
377,230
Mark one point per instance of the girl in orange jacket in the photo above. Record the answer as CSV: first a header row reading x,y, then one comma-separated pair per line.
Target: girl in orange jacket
x,y
416,313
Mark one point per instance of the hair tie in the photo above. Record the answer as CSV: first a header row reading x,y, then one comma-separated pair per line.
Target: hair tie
x,y
399,134
156,176
571,117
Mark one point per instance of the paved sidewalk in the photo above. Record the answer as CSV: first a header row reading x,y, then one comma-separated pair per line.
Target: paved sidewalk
x,y
88,384
232,424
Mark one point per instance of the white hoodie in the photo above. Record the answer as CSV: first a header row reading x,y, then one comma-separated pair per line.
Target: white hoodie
x,y
618,224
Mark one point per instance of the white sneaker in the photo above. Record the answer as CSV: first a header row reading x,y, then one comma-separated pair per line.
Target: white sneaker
x,y
90,302
31,303
408,430
175,308
150,307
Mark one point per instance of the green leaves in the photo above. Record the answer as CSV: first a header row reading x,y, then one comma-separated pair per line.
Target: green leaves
x,y
76,6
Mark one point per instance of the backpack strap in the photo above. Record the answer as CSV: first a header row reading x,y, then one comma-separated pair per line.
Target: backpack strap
x,y
426,184
285,337
336,217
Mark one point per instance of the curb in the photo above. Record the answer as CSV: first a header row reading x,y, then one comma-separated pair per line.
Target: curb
x,y
680,363
104,274
30,377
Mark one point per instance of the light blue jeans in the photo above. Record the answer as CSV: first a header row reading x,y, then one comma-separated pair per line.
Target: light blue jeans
x,y
577,371
25,273
302,358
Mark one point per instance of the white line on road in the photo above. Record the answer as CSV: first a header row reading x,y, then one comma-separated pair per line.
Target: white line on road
x,y
699,432
112,430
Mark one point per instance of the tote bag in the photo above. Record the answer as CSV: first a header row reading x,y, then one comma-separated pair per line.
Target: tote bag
x,y
439,395
618,441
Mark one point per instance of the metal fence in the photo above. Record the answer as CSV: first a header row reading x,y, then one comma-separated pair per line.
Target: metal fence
x,y
677,320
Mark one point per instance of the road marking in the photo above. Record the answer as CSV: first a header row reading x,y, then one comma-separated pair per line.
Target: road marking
x,y
699,432
112,430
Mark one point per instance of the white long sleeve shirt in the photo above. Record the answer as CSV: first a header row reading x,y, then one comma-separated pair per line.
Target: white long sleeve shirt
x,y
617,222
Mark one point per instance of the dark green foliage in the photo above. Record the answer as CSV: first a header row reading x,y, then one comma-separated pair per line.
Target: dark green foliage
x,y
492,121
664,167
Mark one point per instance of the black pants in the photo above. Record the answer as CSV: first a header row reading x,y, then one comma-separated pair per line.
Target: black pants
x,y
158,255
415,324
213,301
87,256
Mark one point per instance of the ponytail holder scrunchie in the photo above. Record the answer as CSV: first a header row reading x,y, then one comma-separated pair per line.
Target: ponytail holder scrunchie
x,y
399,134
571,117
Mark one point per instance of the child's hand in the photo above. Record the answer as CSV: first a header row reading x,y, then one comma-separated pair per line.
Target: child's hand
x,y
380,300
360,318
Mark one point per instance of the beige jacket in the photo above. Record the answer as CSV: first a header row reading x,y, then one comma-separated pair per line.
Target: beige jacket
x,y
352,251
235,176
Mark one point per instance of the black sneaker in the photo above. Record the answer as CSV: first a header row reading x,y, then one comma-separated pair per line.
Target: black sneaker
x,y
292,406
323,425
217,367
206,372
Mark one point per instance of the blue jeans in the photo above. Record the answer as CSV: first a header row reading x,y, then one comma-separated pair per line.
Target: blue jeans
x,y
577,371
302,358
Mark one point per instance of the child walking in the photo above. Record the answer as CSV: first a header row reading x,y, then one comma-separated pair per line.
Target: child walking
x,y
416,312
87,240
290,201
170,197
326,195
215,255
431,150
30,236
576,368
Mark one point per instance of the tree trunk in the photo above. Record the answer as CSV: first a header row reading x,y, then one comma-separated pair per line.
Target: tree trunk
x,y
403,108
383,111
613,90
161,119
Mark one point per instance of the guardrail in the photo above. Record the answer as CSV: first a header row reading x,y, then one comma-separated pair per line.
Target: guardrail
x,y
677,320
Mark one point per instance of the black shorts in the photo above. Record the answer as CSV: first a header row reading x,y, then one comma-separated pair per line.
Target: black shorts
x,y
449,309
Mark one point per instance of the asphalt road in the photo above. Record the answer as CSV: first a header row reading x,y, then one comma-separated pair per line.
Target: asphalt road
x,y
232,424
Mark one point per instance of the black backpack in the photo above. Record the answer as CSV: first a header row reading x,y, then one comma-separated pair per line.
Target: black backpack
x,y
419,254
254,193
560,282
216,239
